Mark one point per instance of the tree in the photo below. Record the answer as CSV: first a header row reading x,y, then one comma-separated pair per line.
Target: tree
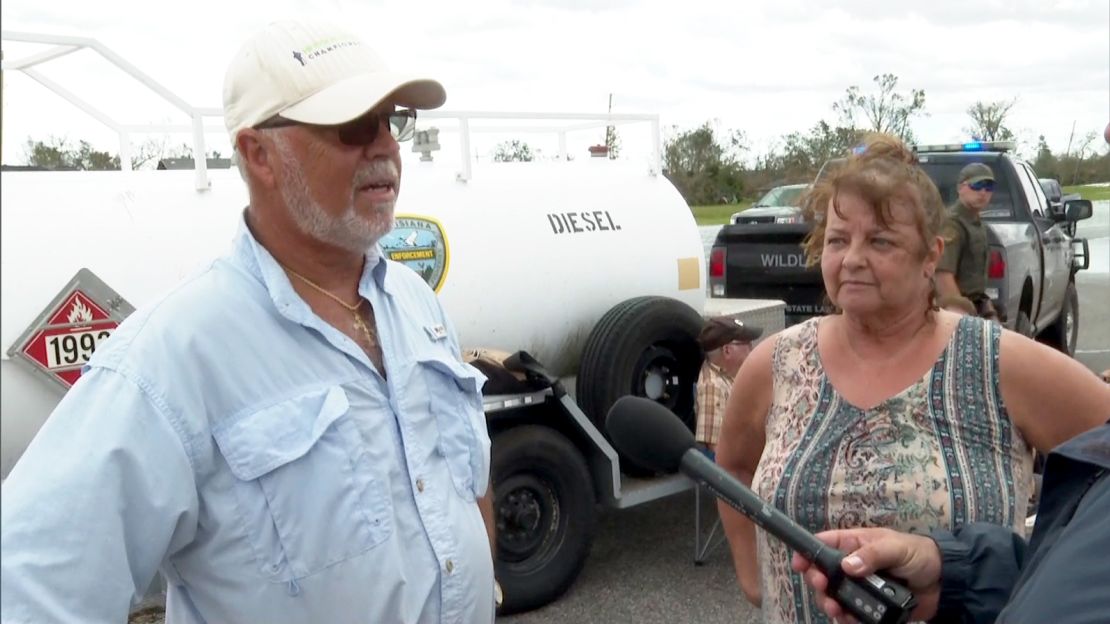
x,y
989,120
798,156
56,153
704,170
803,154
1078,162
512,151
50,154
1045,163
887,111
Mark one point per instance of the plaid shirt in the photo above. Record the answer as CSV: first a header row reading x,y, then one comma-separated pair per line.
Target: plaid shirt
x,y
713,388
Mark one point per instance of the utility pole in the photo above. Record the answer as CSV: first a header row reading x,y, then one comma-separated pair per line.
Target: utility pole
x,y
1068,153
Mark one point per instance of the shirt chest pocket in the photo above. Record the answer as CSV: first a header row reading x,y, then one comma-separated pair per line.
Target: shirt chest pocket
x,y
455,402
304,503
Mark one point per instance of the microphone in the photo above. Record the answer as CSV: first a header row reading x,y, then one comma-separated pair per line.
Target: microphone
x,y
652,436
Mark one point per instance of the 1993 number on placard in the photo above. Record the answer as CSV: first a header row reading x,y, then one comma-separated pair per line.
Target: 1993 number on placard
x,y
71,349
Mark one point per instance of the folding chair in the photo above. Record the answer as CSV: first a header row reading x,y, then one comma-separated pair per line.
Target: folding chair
x,y
713,539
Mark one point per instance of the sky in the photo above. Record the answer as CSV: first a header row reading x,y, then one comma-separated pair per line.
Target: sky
x,y
767,68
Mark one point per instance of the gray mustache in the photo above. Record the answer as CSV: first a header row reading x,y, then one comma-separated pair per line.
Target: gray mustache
x,y
381,171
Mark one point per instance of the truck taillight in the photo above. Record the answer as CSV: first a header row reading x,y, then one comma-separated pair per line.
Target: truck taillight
x,y
717,262
996,267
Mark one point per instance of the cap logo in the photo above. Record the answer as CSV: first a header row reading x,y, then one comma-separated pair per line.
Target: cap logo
x,y
320,48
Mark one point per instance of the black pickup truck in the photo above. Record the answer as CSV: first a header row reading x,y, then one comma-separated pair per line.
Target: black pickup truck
x,y
1031,270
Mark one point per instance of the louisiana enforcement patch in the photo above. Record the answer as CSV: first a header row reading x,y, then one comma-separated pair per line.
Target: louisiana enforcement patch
x,y
419,243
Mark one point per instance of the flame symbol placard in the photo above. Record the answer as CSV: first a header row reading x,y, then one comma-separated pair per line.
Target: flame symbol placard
x,y
80,313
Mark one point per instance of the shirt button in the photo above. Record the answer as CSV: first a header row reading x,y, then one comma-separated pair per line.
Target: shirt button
x,y
419,485
450,566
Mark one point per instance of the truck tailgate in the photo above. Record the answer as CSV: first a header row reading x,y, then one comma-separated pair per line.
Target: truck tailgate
x,y
766,261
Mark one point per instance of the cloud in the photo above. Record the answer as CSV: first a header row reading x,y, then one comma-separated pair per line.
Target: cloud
x,y
765,67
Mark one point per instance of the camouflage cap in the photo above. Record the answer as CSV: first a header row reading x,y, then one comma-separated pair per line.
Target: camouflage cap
x,y
721,330
975,172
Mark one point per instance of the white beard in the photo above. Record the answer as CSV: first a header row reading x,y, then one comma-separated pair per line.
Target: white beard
x,y
348,230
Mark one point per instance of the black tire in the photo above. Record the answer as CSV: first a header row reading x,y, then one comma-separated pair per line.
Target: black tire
x,y
646,346
544,509
1064,333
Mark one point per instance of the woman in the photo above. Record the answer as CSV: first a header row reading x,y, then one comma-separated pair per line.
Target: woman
x,y
892,412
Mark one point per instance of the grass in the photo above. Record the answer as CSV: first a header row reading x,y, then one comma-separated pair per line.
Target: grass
x,y
718,214
1093,193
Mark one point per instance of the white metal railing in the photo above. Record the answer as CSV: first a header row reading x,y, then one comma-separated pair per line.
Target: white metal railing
x,y
64,45
587,121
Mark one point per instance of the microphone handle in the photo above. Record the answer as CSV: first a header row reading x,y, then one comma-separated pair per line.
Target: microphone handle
x,y
702,470
873,600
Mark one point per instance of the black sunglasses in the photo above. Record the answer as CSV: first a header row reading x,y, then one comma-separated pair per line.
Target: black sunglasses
x,y
982,185
362,131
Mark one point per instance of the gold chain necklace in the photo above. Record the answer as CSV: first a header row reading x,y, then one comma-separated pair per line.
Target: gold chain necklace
x,y
360,325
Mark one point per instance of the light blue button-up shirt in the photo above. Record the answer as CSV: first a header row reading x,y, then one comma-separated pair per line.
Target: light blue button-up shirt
x,y
231,439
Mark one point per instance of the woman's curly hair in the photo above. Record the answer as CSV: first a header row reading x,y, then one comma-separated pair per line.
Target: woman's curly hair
x,y
882,171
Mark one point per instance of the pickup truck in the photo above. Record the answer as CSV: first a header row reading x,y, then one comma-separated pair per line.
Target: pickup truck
x,y
779,205
1032,263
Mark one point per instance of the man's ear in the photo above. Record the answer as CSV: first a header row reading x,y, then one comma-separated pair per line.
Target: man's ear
x,y
257,152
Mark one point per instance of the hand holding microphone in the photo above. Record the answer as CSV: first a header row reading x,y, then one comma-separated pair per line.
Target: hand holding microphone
x,y
654,437
913,558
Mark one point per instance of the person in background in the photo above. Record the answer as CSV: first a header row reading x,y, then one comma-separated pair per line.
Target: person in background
x,y
962,271
726,342
892,412
986,573
290,435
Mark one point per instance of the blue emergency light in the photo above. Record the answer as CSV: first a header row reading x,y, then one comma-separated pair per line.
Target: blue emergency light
x,y
968,146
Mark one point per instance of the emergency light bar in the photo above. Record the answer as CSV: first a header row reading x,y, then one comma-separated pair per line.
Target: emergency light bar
x,y
970,146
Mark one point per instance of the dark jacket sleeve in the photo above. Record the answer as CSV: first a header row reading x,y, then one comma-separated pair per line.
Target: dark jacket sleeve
x,y
1066,572
980,565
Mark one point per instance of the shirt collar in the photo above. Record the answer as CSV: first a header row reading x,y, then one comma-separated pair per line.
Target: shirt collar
x,y
717,370
258,261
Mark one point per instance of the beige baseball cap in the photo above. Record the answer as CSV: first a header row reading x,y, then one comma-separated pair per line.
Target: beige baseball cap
x,y
317,73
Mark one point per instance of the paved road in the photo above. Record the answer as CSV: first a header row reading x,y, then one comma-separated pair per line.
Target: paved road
x,y
1094,292
641,570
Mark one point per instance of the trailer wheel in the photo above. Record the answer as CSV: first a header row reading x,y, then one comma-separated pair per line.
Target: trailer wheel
x,y
1064,333
646,346
544,509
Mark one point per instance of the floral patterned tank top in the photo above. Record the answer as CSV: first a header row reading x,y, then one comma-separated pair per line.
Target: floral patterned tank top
x,y
942,452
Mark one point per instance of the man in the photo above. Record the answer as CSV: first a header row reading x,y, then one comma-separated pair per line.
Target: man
x,y
986,573
726,341
962,271
289,436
